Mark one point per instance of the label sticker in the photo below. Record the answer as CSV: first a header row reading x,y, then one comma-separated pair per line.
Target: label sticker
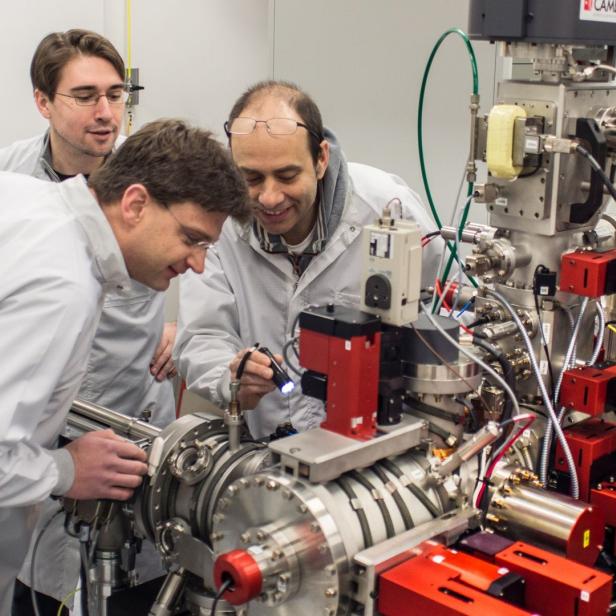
x,y
598,10
381,245
547,332
585,596
347,345
502,201
586,540
543,367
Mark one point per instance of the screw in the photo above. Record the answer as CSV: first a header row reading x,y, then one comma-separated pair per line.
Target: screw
x,y
330,592
261,536
245,537
314,527
272,485
302,508
231,490
259,481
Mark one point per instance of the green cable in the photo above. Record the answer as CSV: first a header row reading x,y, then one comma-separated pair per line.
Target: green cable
x,y
424,175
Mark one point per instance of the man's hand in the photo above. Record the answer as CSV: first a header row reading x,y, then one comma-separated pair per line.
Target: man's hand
x,y
162,365
256,380
106,466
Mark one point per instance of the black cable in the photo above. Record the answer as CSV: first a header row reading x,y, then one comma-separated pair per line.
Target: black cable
x,y
287,345
531,172
221,591
394,469
240,368
359,511
508,375
543,340
480,321
404,511
532,408
33,561
378,499
420,495
597,167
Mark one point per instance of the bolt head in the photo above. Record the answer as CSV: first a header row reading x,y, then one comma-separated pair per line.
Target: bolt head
x,y
245,537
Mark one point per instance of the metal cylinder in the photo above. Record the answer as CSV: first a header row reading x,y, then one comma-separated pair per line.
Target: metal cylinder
x,y
553,520
126,426
304,536
168,595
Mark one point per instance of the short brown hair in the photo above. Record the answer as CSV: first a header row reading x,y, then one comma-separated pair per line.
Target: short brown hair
x,y
58,48
176,163
296,98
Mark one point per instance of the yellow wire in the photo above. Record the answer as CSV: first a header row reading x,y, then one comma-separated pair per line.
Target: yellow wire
x,y
129,64
63,602
129,60
612,328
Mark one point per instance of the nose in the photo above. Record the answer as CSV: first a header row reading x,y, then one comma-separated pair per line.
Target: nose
x,y
196,260
270,195
103,108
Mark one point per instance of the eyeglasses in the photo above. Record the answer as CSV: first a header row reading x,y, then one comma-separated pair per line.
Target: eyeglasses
x,y
189,235
117,96
274,126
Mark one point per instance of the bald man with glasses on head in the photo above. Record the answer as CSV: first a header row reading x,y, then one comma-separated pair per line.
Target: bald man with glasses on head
x,y
303,247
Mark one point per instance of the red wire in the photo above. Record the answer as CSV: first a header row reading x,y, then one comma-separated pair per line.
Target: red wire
x,y
437,288
502,452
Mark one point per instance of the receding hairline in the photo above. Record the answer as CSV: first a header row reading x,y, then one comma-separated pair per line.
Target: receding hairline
x,y
287,94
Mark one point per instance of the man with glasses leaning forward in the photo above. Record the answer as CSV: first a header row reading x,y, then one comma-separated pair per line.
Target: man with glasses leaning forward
x,y
79,87
302,248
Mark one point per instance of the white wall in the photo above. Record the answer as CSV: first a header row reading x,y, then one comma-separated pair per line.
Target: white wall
x,y
361,60
194,56
23,24
363,63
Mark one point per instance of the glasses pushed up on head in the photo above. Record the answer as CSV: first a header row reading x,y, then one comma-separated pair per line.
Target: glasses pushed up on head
x,y
274,126
89,98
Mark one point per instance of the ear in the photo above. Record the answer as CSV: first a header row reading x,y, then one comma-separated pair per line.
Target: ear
x,y
323,160
134,204
42,103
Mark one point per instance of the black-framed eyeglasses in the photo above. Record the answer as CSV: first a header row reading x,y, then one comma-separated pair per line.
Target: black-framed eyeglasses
x,y
189,238
274,126
115,96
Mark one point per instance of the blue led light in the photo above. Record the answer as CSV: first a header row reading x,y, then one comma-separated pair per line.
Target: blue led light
x,y
288,387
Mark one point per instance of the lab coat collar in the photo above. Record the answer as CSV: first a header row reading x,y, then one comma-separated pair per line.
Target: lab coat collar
x,y
111,269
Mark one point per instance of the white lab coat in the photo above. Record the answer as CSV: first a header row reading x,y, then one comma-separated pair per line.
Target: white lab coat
x,y
58,256
247,295
117,375
130,327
